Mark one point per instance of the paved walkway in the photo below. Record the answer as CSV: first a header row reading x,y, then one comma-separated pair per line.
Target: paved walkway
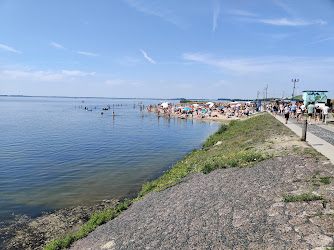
x,y
320,137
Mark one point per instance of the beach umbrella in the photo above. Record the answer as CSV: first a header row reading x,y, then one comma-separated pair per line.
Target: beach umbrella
x,y
187,108
164,105
210,104
233,106
238,105
220,107
203,111
191,107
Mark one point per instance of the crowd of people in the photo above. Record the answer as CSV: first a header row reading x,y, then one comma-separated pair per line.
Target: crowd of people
x,y
295,110
299,110
204,110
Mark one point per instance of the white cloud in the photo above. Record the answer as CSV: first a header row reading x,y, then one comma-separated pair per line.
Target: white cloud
x,y
147,57
56,45
44,76
26,75
10,49
241,12
77,73
264,64
216,13
86,53
287,22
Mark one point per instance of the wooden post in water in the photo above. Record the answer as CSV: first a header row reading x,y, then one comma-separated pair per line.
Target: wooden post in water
x,y
304,130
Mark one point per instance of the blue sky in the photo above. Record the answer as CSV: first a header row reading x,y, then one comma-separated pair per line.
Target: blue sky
x,y
166,48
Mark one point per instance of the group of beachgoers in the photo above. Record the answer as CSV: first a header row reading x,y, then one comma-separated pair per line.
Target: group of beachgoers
x,y
299,110
208,110
108,107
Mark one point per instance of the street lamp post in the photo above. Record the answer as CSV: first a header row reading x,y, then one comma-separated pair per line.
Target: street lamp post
x,y
294,86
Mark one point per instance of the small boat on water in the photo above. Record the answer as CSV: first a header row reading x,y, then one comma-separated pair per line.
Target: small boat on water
x,y
88,110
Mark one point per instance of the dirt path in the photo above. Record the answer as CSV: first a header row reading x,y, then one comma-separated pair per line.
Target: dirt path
x,y
235,208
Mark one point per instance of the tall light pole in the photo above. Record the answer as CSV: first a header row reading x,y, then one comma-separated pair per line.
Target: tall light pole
x,y
294,86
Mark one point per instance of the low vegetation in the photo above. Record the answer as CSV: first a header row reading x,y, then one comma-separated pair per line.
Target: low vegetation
x,y
94,222
301,197
316,180
232,145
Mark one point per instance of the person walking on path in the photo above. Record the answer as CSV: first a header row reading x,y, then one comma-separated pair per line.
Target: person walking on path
x,y
281,109
293,110
299,114
286,113
303,108
317,113
325,114
310,111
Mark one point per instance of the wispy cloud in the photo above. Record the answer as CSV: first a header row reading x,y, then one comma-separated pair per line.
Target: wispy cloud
x,y
263,64
322,40
44,76
57,45
28,75
157,8
288,22
216,13
77,73
86,53
240,12
284,6
10,49
147,57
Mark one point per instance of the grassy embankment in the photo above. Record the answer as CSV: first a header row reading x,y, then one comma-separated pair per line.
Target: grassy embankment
x,y
233,145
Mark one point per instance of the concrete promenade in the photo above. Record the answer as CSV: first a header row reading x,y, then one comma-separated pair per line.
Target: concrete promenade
x,y
319,144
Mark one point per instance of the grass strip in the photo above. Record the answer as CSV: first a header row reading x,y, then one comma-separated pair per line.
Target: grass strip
x,y
301,197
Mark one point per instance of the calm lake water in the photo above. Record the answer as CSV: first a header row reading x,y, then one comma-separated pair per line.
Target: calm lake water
x,y
54,154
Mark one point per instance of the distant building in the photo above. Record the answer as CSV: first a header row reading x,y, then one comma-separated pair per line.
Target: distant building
x,y
314,96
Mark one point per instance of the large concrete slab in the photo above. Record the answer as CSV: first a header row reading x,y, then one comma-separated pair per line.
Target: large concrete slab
x,y
317,143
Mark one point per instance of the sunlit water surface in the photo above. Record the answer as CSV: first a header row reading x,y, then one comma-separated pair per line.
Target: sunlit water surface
x,y
54,154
